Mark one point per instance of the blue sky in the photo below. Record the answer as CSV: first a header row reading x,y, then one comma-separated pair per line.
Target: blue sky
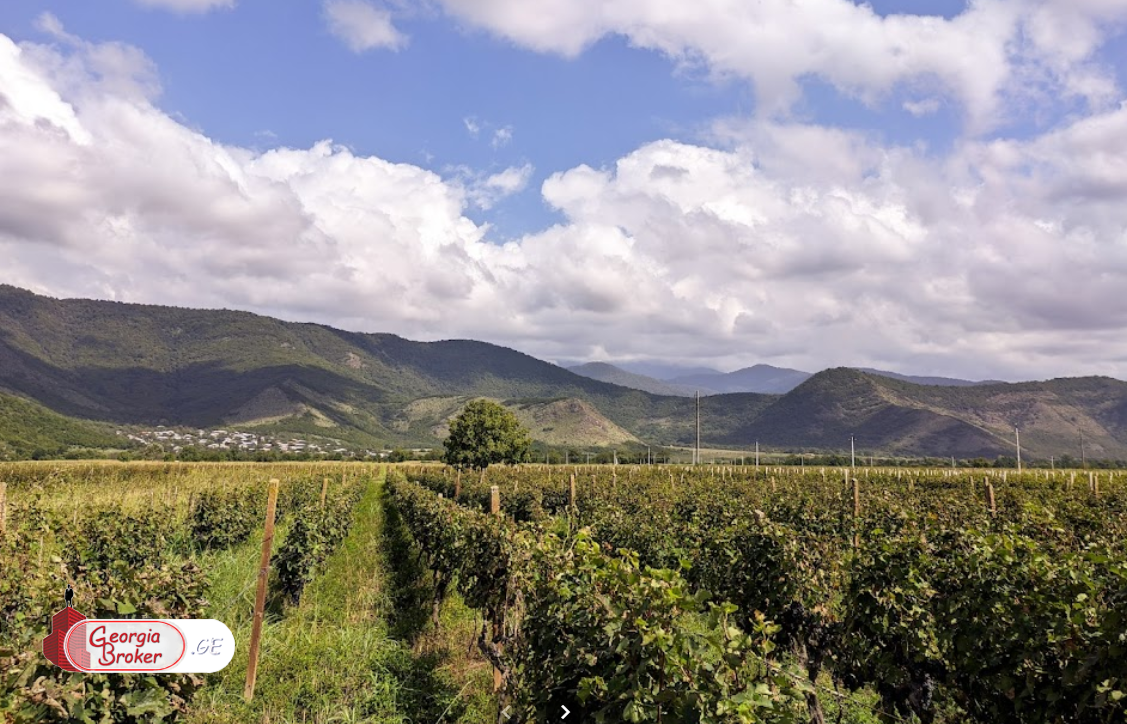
x,y
264,73
804,183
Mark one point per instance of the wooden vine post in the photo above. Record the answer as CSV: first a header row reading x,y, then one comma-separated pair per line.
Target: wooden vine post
x,y
260,596
458,486
324,491
856,513
571,492
495,509
990,497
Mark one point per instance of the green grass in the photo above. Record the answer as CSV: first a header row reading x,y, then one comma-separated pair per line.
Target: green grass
x,y
333,658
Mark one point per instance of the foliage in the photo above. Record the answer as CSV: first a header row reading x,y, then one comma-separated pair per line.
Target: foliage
x,y
485,433
118,569
943,612
222,518
312,537
567,618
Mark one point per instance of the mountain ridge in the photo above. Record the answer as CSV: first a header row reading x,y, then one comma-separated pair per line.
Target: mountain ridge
x,y
127,364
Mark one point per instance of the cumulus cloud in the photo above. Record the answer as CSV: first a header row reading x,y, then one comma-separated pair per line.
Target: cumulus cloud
x,y
993,49
362,25
187,6
795,244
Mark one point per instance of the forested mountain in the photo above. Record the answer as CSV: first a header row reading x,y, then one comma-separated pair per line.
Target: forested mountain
x,y
130,364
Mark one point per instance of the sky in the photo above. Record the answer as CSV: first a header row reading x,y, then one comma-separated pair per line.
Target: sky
x,y
931,187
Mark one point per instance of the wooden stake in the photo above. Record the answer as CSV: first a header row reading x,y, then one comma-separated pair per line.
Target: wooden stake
x,y
458,486
260,596
571,492
856,512
324,491
494,500
990,496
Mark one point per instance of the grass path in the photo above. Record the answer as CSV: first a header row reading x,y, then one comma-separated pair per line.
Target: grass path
x,y
334,658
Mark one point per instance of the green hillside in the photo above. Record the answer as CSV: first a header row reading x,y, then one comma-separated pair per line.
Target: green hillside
x,y
29,429
893,416
150,365
153,365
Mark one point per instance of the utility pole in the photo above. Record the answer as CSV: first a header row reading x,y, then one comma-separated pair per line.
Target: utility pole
x,y
1083,455
757,456
696,456
852,453
1017,440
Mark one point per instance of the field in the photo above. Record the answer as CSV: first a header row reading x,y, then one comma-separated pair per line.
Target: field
x,y
649,593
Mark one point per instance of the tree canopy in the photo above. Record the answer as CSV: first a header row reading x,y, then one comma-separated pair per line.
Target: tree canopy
x,y
486,433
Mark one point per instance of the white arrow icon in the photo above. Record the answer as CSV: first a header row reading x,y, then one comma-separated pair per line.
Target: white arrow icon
x,y
505,712
566,711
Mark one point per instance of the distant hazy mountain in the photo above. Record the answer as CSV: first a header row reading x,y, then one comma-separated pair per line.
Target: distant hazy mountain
x,y
758,378
923,380
69,366
663,370
885,414
605,372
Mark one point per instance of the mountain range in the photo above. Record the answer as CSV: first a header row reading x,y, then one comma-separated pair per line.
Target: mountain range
x,y
80,368
760,378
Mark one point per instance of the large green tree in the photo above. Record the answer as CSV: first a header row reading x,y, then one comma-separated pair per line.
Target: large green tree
x,y
486,433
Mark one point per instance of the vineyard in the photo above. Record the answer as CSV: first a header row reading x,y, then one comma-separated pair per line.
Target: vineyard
x,y
623,593
737,595
183,541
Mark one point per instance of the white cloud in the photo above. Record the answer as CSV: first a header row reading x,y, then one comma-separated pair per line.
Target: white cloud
x,y
486,192
924,107
800,245
187,6
980,58
502,137
472,126
362,25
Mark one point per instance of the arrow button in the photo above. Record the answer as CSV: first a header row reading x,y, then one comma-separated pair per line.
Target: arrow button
x,y
566,711
505,713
